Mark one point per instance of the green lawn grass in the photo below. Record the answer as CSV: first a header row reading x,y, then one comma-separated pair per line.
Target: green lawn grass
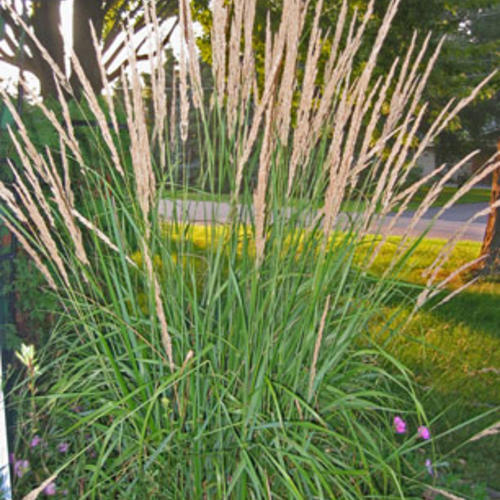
x,y
454,352
475,195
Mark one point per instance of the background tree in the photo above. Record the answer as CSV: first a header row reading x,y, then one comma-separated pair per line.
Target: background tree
x,y
491,243
471,51
44,18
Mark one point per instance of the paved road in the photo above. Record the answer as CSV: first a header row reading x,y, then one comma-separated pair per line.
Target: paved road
x,y
448,224
460,213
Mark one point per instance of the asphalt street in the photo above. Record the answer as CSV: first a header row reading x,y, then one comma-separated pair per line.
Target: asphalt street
x,y
459,218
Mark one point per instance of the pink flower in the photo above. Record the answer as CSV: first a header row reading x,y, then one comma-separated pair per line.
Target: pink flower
x,y
63,447
424,432
399,425
21,467
35,441
50,489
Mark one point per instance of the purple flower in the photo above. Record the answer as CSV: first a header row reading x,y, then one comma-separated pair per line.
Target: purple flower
x,y
428,466
50,489
424,432
35,441
399,425
21,467
63,447
12,458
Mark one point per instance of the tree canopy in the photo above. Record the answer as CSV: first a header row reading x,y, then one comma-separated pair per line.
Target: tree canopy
x,y
470,52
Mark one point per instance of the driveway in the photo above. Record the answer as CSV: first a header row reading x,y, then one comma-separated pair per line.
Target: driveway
x,y
448,223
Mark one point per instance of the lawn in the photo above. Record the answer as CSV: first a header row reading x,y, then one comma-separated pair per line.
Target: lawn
x,y
475,195
454,352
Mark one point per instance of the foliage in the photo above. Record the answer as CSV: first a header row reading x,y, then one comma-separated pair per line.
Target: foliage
x,y
469,54
405,348
34,305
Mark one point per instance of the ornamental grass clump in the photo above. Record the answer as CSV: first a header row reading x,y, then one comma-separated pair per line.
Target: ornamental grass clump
x,y
240,367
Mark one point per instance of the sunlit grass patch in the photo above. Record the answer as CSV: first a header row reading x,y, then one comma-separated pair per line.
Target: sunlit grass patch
x,y
424,255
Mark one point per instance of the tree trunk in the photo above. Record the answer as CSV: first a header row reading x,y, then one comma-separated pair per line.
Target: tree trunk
x,y
86,12
491,241
46,22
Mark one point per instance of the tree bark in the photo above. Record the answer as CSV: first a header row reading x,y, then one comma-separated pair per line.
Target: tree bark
x,y
491,242
86,12
46,21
